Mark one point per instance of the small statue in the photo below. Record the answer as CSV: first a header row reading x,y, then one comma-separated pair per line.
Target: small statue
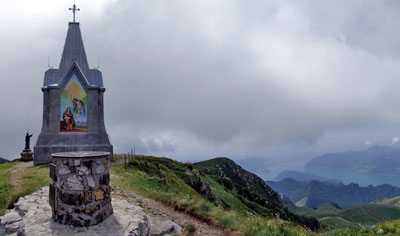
x,y
27,140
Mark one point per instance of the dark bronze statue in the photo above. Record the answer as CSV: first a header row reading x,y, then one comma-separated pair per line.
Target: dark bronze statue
x,y
27,140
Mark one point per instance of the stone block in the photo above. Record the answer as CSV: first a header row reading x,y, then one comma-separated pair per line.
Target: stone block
x,y
83,170
87,163
53,170
90,210
88,197
52,195
70,198
12,228
27,155
77,162
107,213
74,183
63,170
99,169
10,218
105,161
99,218
99,194
105,179
90,181
108,193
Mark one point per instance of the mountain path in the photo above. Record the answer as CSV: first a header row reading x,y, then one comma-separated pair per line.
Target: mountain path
x,y
340,218
16,170
160,211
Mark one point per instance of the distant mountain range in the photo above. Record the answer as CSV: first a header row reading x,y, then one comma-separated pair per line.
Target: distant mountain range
x,y
375,165
302,176
286,186
315,193
2,160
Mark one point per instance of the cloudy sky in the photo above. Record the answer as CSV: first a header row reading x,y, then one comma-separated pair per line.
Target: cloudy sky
x,y
268,83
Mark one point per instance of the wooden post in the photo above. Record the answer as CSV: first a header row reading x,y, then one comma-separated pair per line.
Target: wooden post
x,y
132,154
125,160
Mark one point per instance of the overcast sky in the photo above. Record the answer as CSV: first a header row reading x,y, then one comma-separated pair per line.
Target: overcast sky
x,y
270,83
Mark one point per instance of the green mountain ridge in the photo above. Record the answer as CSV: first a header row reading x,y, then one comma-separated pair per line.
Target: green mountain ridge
x,y
302,176
250,188
236,195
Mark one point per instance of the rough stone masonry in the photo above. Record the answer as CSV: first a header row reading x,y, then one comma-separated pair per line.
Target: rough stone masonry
x,y
79,192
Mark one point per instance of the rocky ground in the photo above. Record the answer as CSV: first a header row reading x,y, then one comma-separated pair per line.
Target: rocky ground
x,y
32,216
133,215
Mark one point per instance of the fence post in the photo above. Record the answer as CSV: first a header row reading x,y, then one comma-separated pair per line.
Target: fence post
x,y
125,160
131,154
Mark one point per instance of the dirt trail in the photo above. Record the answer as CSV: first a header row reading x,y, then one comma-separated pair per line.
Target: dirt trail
x,y
164,212
20,167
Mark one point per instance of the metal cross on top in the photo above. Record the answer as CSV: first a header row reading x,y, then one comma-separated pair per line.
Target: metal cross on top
x,y
74,9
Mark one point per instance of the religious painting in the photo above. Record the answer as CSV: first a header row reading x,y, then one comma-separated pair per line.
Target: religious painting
x,y
73,113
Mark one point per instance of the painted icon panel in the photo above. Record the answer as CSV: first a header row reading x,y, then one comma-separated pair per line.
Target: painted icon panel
x,y
73,112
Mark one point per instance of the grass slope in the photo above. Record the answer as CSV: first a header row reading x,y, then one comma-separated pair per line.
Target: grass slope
x,y
302,202
251,189
164,180
355,217
159,178
18,183
389,201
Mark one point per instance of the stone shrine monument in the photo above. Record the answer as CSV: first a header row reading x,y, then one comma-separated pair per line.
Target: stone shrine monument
x,y
73,105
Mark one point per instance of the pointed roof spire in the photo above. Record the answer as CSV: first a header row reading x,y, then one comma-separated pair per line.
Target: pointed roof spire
x,y
74,50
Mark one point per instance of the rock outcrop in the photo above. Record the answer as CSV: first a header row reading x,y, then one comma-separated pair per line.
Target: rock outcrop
x,y
202,187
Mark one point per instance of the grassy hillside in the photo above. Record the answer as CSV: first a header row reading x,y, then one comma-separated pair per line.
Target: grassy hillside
x,y
362,216
250,189
167,181
16,182
389,202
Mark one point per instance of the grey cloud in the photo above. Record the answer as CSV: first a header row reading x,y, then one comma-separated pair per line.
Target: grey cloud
x,y
218,76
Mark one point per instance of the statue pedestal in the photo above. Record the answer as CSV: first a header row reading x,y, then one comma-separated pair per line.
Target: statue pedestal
x,y
27,155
